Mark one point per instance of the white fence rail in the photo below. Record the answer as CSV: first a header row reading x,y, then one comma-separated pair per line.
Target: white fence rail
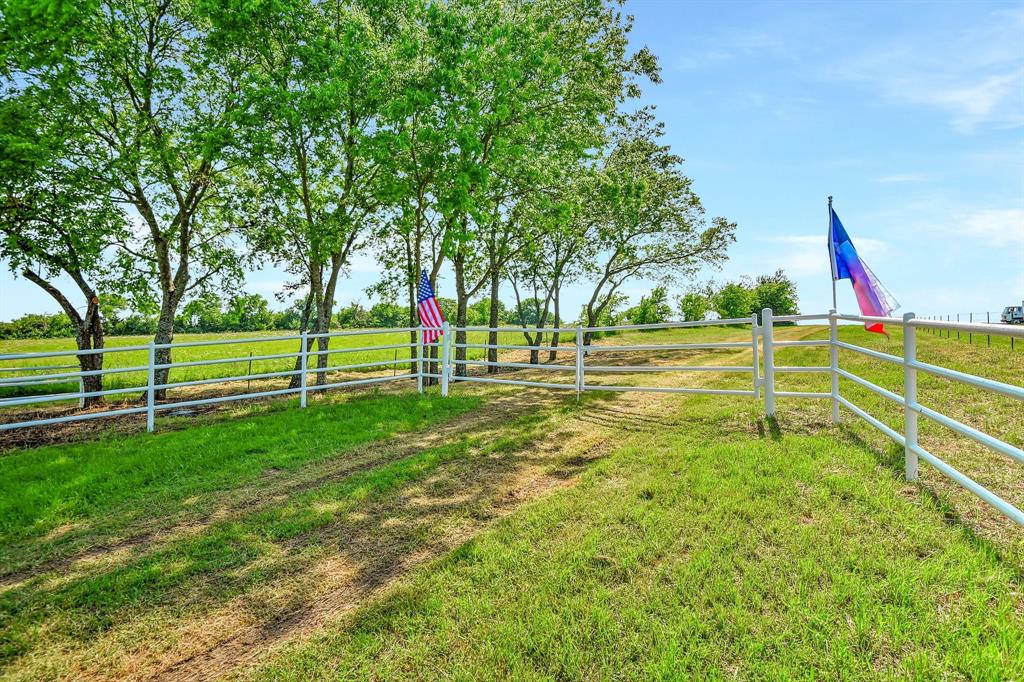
x,y
449,370
912,409
583,352
305,354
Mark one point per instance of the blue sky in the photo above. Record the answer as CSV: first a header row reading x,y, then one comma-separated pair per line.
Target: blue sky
x,y
910,114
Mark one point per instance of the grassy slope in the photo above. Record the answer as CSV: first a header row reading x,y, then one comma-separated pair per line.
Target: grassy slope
x,y
719,548
997,415
703,542
708,551
111,482
103,535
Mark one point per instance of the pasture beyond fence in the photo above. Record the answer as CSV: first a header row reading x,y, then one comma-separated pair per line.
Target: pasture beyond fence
x,y
439,361
969,336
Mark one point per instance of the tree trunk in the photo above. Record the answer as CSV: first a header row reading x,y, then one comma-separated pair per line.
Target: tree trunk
x,y
323,326
307,308
591,322
492,321
553,355
89,336
323,309
410,290
538,339
462,307
433,367
164,334
88,329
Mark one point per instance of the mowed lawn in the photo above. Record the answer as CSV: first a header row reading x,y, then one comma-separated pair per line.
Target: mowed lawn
x,y
509,533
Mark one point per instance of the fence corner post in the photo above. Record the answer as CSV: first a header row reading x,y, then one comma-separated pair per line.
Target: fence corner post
x,y
303,368
833,362
419,359
768,335
446,360
579,362
909,397
754,331
151,388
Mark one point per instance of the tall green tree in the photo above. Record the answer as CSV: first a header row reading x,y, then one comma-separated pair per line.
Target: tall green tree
x,y
420,162
204,313
56,218
694,305
247,312
139,81
536,80
554,257
561,249
315,77
651,309
734,300
650,222
776,291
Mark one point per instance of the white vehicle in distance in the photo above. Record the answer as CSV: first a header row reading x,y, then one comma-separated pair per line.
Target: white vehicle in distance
x,y
1012,314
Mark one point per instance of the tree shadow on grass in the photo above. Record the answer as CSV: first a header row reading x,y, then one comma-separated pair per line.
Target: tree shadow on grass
x,y
125,493
372,516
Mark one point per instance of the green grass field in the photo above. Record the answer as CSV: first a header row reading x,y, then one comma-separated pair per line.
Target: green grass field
x,y
242,349
509,533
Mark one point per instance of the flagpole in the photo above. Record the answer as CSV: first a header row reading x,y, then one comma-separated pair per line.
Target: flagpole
x,y
832,254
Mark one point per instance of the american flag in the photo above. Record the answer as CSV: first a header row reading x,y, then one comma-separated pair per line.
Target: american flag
x,y
429,312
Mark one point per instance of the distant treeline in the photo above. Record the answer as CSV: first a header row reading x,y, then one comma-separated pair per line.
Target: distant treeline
x,y
744,298
209,313
242,313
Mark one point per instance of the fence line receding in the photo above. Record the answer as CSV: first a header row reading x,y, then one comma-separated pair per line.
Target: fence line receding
x,y
437,361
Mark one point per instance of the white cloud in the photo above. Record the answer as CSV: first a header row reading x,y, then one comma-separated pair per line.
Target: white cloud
x,y
992,99
977,77
803,255
901,178
998,227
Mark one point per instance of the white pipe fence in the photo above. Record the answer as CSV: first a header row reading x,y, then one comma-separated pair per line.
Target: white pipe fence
x,y
912,409
761,366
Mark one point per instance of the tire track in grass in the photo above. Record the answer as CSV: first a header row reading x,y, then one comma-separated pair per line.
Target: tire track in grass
x,y
580,440
322,576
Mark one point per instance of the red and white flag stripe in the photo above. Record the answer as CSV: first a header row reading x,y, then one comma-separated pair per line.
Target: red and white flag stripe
x,y
428,310
430,316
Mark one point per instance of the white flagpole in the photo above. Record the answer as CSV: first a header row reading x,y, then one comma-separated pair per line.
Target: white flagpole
x,y
832,254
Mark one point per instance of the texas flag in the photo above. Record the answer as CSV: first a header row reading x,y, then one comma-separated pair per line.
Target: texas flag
x,y
872,297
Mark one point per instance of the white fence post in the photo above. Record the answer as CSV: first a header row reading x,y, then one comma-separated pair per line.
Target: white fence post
x,y
446,360
757,360
81,390
909,397
150,388
419,359
833,362
579,362
303,366
767,333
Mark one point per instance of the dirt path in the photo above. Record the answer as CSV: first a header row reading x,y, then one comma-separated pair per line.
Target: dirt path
x,y
323,576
